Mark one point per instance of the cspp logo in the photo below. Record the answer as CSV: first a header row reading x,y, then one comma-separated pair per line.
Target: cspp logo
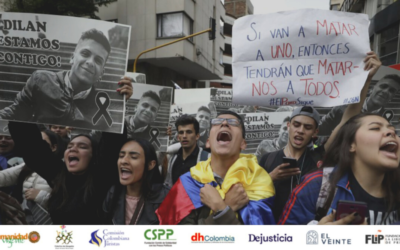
x,y
199,238
158,234
159,237
64,239
312,237
95,240
274,238
110,238
374,239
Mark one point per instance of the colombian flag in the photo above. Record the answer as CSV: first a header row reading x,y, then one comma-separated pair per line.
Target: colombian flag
x,y
184,196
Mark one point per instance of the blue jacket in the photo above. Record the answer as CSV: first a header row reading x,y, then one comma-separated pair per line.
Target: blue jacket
x,y
301,206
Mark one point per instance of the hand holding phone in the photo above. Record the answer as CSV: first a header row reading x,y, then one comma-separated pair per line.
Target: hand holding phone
x,y
345,208
291,161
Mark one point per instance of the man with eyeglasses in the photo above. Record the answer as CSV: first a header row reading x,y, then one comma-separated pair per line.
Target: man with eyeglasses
x,y
302,127
229,188
138,125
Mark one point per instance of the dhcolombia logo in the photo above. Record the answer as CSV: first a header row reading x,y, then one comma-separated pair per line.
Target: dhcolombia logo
x,y
199,238
273,238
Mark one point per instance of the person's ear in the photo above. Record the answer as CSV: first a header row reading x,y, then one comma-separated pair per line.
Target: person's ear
x,y
197,136
243,145
208,143
71,60
352,148
315,133
152,164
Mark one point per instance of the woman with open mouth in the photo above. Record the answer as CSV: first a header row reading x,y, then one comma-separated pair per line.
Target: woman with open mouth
x,y
361,165
140,192
80,182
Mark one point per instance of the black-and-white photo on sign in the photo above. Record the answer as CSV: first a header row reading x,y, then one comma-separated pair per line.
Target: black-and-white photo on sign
x,y
4,128
202,111
383,98
147,114
62,70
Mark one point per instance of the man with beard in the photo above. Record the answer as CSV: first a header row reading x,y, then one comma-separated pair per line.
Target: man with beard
x,y
189,153
271,145
138,125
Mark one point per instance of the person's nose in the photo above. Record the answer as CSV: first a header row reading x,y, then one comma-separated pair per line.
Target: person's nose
x,y
390,133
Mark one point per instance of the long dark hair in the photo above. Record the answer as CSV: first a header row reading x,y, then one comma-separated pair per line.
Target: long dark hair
x,y
60,182
150,178
338,154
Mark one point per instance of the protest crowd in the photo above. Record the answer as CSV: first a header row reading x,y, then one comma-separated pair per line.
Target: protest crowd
x,y
49,176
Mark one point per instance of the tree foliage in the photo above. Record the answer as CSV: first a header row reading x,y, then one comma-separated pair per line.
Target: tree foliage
x,y
80,8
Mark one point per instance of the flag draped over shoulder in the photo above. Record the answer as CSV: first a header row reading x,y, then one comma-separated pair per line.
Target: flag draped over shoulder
x,y
184,196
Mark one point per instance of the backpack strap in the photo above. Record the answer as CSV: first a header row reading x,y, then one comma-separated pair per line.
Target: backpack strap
x,y
323,193
204,155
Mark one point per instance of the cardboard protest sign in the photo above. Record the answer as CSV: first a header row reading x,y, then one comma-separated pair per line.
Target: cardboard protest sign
x,y
147,114
383,99
223,101
62,70
203,113
265,132
302,57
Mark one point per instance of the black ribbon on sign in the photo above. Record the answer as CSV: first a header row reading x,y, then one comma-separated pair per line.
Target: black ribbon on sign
x,y
102,105
154,132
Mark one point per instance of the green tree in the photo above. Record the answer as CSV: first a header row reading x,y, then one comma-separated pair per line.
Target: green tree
x,y
80,8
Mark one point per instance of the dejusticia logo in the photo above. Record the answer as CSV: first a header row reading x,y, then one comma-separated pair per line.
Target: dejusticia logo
x,y
96,240
273,238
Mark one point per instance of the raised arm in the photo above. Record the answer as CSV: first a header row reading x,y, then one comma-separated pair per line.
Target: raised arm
x,y
372,63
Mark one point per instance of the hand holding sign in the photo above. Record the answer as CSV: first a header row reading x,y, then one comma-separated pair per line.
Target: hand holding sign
x,y
318,61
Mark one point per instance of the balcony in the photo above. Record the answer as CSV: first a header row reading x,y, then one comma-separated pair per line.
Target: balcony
x,y
355,6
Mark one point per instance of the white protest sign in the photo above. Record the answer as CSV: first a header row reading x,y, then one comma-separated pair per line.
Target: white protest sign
x,y
304,57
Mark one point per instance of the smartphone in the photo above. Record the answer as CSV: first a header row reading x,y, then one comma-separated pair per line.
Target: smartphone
x,y
345,208
291,161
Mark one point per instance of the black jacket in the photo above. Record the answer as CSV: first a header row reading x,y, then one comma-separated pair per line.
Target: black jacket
x,y
114,205
38,156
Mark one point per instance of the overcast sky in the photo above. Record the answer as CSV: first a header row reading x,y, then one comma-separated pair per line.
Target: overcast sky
x,y
268,6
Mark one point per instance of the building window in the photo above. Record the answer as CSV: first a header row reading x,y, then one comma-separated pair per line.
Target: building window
x,y
221,56
335,7
388,43
382,4
103,1
174,25
221,26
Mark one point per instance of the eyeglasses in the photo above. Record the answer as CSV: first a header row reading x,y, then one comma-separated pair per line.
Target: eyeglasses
x,y
231,122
